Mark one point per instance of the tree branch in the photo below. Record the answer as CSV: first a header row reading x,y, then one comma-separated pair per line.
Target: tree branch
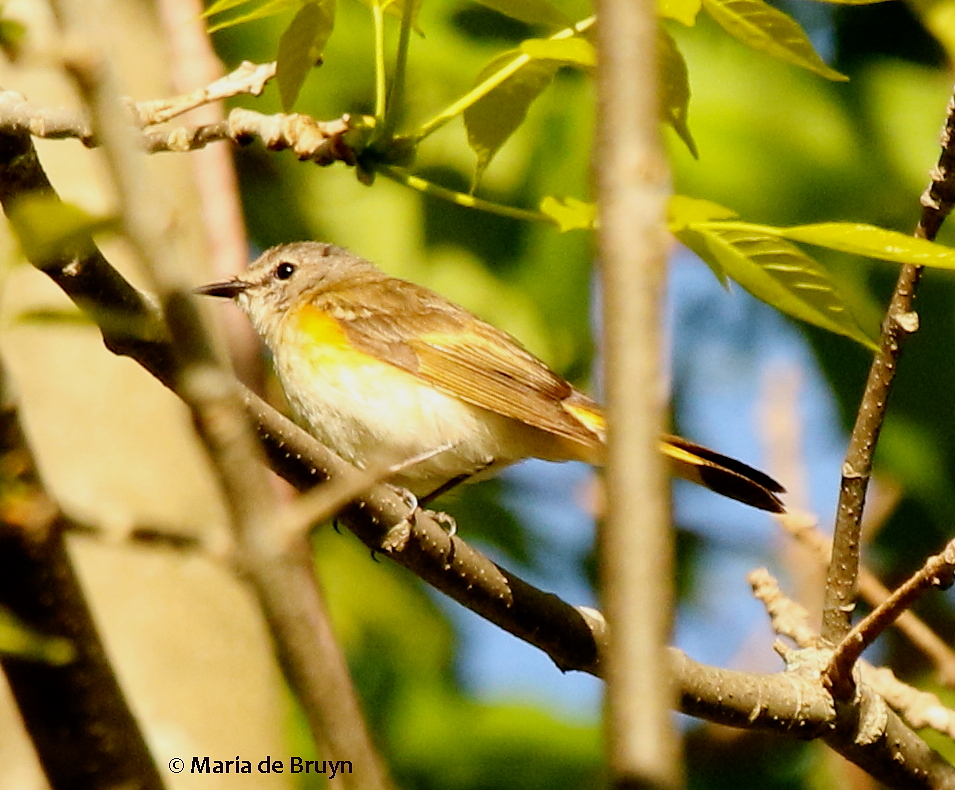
x,y
75,712
635,539
875,593
900,321
937,572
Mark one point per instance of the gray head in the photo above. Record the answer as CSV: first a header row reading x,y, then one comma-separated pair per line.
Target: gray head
x,y
285,276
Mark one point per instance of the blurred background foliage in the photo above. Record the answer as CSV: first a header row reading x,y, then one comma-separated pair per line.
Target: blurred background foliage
x,y
777,144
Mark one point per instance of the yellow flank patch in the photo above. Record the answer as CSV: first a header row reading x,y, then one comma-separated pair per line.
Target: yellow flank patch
x,y
592,420
319,327
318,340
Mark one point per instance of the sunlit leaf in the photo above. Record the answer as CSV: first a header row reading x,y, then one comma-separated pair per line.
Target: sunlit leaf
x,y
265,9
769,30
492,119
683,211
872,242
674,89
682,11
778,273
531,12
16,639
575,51
44,225
569,213
300,47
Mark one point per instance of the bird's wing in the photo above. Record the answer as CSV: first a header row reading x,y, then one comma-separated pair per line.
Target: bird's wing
x,y
462,356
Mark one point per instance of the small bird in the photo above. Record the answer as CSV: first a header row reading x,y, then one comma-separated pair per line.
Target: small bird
x,y
381,368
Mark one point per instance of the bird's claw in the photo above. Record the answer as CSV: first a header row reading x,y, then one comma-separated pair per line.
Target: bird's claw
x,y
398,535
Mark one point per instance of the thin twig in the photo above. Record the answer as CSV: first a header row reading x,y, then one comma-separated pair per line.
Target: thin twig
x,y
873,592
321,142
841,580
248,79
918,708
937,572
786,616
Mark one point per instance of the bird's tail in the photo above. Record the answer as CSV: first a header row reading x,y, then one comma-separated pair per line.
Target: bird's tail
x,y
722,474
693,462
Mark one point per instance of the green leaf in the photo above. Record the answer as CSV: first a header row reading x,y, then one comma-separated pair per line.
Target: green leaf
x,y
575,51
493,118
872,242
570,213
682,11
778,273
223,5
683,211
763,27
301,46
674,89
16,639
531,12
265,9
44,225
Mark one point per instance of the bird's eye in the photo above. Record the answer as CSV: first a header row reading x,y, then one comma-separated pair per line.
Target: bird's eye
x,y
284,270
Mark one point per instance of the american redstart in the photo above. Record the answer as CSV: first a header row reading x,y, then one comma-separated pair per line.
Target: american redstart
x,y
380,368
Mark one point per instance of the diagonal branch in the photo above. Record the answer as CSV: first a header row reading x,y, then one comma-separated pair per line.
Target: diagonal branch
x,y
900,321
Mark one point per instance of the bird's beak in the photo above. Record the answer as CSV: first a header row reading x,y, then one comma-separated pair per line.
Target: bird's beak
x,y
228,289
